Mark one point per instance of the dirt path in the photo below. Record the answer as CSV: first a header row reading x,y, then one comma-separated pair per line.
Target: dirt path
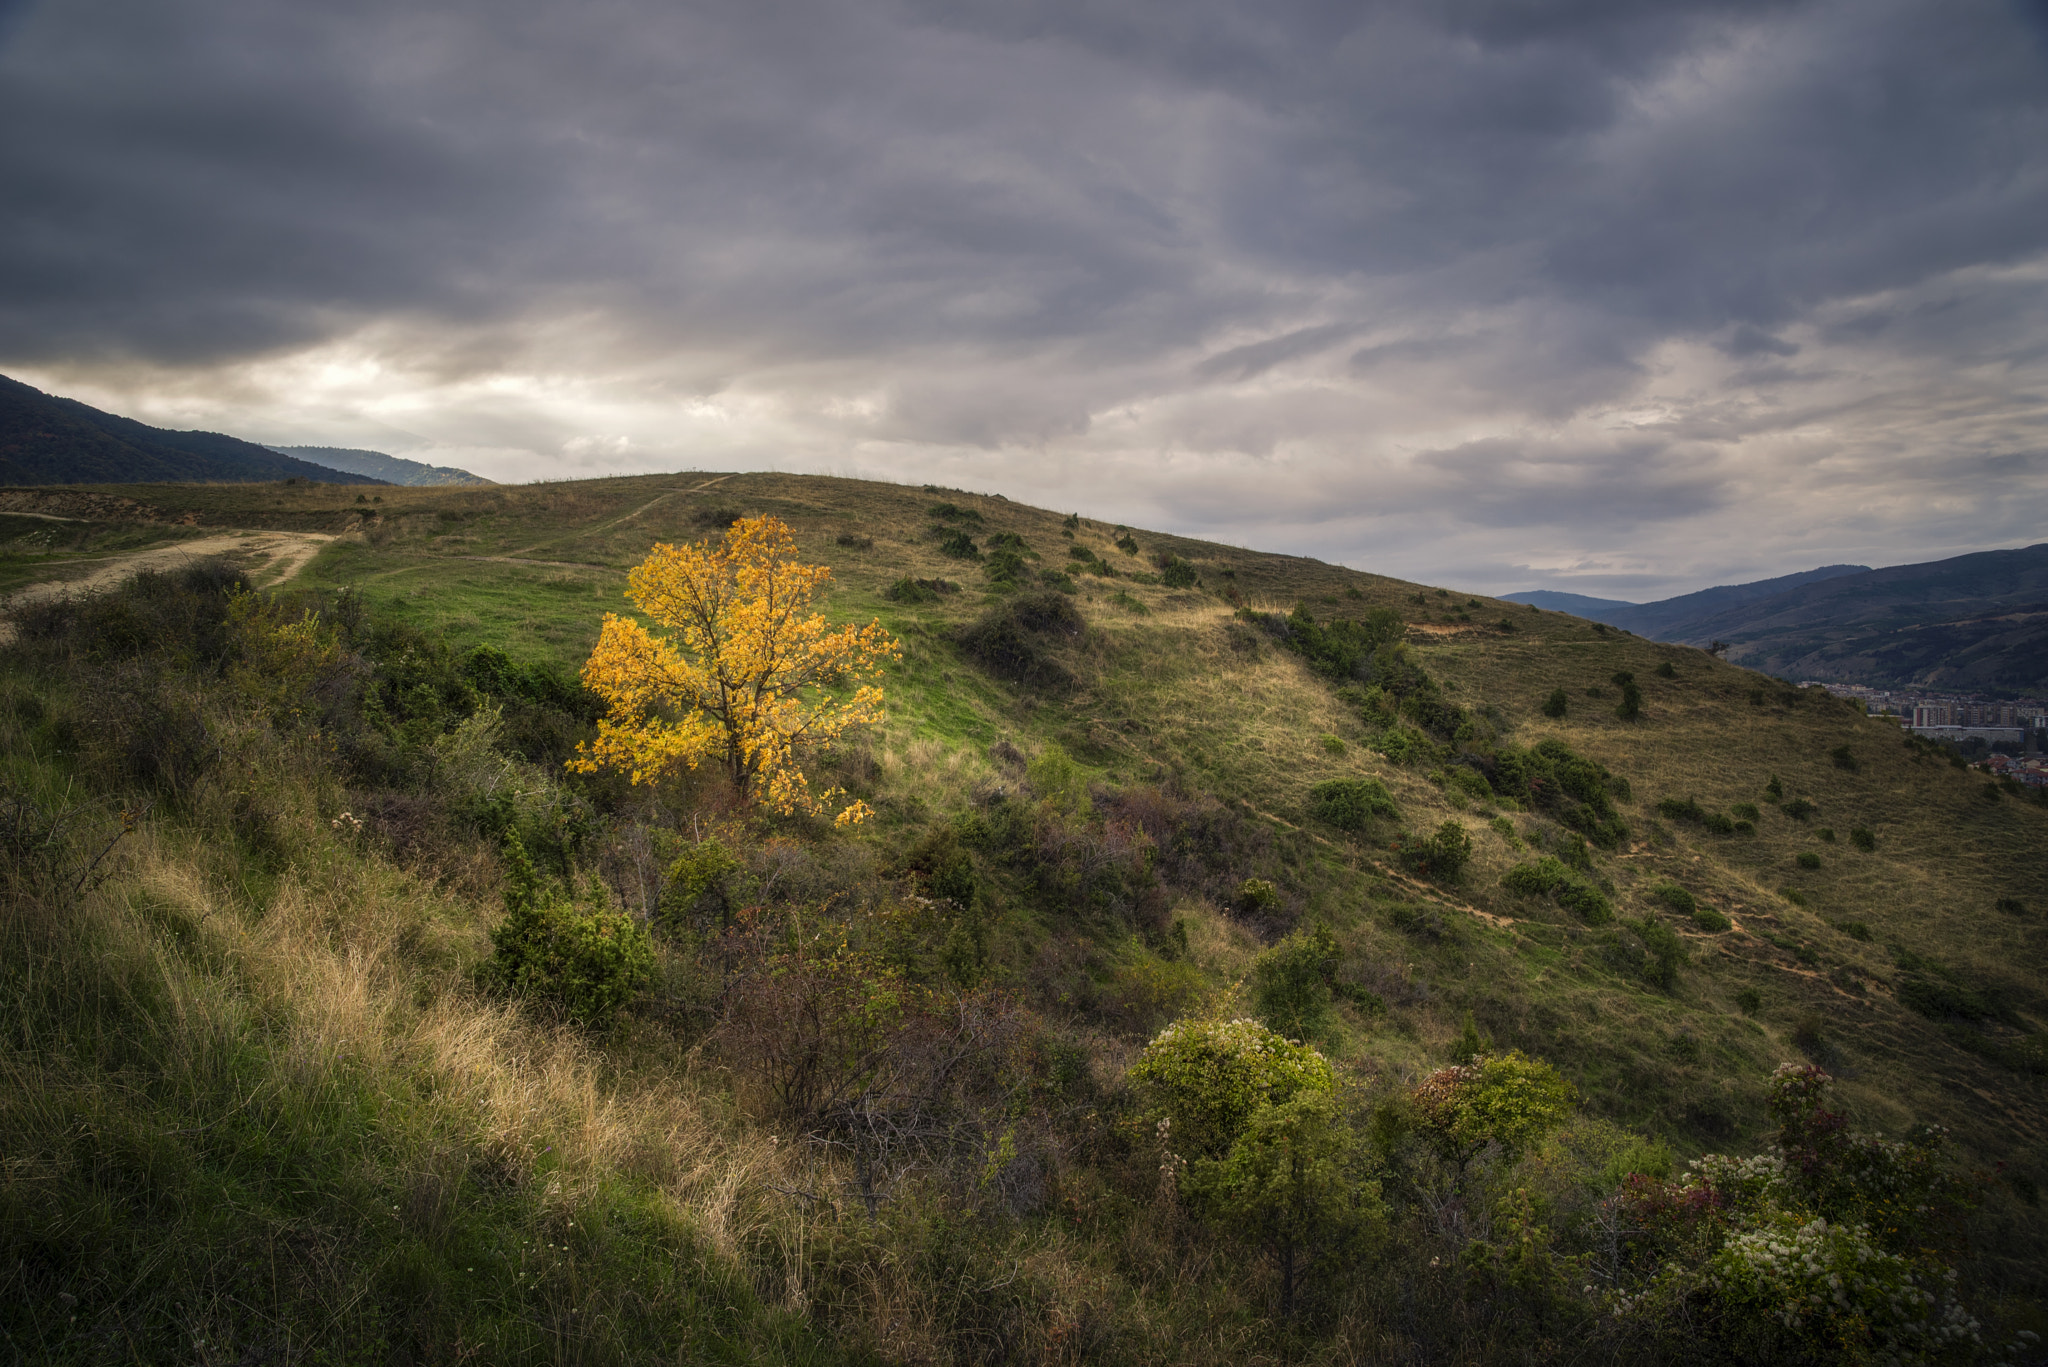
x,y
607,526
270,558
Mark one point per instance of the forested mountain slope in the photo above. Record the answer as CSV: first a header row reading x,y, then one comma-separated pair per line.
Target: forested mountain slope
x,y
45,439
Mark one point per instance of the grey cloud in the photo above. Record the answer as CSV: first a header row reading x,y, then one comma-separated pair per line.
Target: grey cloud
x,y
1749,340
1057,243
1256,358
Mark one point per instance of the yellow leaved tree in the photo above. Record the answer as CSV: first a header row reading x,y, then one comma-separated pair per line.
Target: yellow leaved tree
x,y
743,677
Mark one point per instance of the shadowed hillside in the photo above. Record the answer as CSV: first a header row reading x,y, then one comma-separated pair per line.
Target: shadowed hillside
x,y
49,440
1127,779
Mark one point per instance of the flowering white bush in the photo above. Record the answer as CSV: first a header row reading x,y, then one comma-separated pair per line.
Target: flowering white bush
x,y
1830,1282
1745,1184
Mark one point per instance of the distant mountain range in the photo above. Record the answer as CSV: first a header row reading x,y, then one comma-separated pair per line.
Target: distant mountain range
x,y
49,440
377,465
1974,622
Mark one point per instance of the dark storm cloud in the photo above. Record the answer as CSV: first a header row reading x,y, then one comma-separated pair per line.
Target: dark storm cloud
x,y
1388,281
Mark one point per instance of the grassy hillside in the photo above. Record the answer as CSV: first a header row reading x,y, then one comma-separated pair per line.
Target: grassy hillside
x,y
263,1100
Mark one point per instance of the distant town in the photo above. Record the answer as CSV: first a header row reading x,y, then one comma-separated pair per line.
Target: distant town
x,y
2004,736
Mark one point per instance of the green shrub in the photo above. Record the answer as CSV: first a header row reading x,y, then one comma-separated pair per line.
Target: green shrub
x,y
1548,877
1005,568
960,546
1719,823
1177,573
1855,930
1507,1099
589,961
1208,1078
1467,782
1808,860
1673,809
1845,758
1291,983
1774,790
1750,1000
1675,897
1793,895
1441,856
1666,952
947,512
1707,919
1332,745
2012,905
1010,640
1665,671
854,543
1405,745
1350,803
1799,809
1257,897
914,591
1746,811
1631,705
701,891
1826,833
1862,838
1551,777
1557,704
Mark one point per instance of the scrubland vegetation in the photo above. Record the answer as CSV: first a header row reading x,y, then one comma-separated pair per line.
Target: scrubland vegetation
x,y
1244,959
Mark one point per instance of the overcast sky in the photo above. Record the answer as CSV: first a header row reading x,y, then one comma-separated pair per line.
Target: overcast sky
x,y
1625,297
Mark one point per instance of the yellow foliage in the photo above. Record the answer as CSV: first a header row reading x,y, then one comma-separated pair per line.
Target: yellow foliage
x,y
742,678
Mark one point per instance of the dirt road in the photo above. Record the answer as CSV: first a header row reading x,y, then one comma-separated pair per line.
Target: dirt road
x,y
269,557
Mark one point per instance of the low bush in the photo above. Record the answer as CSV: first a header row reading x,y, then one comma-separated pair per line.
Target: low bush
x,y
1675,809
1441,856
1675,897
1557,704
1548,877
1012,640
1665,951
1808,860
1291,983
854,543
1707,919
1862,838
1350,804
1177,573
588,961
1207,1079
1257,897
1746,811
1799,809
1845,758
919,590
960,546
